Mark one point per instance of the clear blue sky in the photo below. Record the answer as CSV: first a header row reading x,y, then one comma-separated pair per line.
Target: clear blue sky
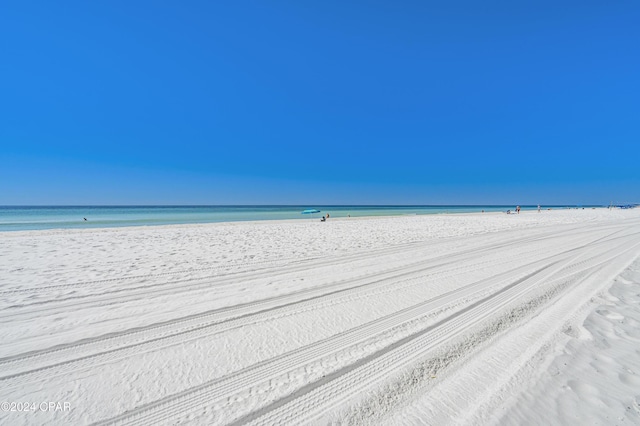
x,y
273,102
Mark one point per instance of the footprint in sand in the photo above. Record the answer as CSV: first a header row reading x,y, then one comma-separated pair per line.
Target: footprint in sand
x,y
610,315
585,391
629,379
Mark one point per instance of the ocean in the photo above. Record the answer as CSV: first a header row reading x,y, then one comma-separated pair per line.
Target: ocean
x,y
20,218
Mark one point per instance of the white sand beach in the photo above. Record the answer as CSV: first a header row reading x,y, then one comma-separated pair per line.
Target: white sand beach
x,y
527,318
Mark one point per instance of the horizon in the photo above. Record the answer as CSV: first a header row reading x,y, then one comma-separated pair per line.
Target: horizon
x,y
413,104
312,204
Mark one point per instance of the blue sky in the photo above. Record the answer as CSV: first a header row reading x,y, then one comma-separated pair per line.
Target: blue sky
x,y
131,102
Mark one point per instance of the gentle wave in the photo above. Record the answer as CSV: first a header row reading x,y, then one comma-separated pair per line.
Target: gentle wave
x,y
16,218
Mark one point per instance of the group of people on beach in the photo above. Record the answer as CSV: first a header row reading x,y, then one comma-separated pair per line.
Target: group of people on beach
x,y
518,210
324,219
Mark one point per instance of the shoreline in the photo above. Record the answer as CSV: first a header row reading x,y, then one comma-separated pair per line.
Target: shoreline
x,y
301,220
132,216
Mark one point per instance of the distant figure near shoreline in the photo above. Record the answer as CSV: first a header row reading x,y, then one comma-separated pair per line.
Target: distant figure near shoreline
x,y
518,209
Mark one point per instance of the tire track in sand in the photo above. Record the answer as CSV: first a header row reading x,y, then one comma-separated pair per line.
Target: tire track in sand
x,y
222,388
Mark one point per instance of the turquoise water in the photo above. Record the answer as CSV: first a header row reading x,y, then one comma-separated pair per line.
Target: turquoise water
x,y
28,218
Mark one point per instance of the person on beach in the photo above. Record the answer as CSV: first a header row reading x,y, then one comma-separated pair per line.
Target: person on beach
x,y
518,209
538,208
327,215
324,219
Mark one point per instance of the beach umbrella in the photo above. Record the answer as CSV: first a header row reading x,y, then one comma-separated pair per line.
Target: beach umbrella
x,y
310,211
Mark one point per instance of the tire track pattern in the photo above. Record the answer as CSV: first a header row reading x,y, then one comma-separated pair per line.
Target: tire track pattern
x,y
220,389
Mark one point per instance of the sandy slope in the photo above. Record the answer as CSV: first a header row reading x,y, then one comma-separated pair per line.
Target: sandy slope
x,y
592,375
417,319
